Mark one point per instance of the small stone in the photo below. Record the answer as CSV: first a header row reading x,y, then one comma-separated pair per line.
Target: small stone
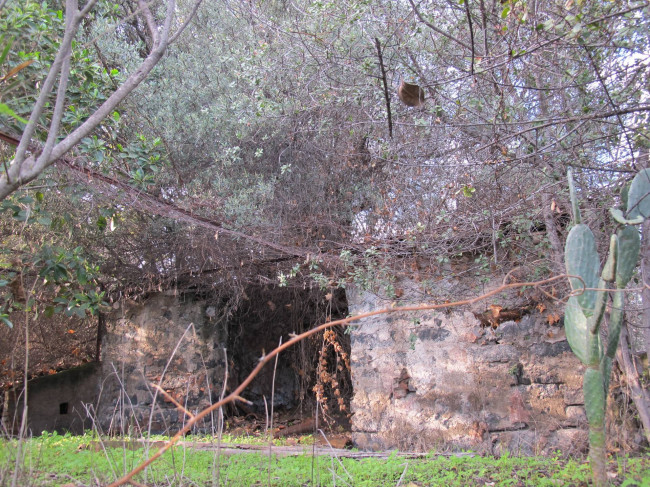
x,y
573,396
576,414
399,393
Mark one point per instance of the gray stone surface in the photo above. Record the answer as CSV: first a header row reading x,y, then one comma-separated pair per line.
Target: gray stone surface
x,y
168,342
468,387
60,402
428,380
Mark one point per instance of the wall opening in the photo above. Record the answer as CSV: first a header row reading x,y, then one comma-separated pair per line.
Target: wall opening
x,y
63,408
317,366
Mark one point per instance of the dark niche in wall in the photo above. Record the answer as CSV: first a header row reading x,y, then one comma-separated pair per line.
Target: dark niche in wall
x,y
267,314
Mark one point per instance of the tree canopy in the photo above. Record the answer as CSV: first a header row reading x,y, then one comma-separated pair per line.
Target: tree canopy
x,y
267,144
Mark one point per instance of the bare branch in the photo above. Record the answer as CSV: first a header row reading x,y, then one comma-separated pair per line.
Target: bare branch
x,y
593,116
13,176
385,81
151,23
471,35
87,8
24,169
60,97
614,106
187,21
436,29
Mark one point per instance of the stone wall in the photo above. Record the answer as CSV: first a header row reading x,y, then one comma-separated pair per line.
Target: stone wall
x,y
168,340
177,342
439,380
57,402
429,380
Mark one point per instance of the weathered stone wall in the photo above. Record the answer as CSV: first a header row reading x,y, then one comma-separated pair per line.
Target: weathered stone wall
x,y
168,340
432,380
57,402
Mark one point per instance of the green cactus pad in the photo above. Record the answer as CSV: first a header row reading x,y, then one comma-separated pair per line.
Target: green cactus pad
x,y
629,243
615,321
625,191
609,269
582,260
594,397
575,325
619,217
638,200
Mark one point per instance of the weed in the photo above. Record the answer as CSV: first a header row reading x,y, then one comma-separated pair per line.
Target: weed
x,y
52,460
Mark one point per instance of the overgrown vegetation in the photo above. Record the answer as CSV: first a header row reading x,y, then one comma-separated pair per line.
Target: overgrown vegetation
x,y
53,460
263,148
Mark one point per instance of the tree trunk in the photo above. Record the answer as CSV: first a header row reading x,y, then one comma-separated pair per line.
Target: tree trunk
x,y
644,332
637,393
557,251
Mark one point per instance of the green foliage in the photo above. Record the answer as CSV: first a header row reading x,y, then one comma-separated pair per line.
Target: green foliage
x,y
54,277
53,459
32,32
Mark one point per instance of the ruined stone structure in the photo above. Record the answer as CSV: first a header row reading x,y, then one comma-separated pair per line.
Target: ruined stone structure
x,y
169,341
176,342
422,381
435,380
59,402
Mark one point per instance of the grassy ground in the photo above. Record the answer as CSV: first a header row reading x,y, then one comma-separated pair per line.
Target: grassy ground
x,y
53,460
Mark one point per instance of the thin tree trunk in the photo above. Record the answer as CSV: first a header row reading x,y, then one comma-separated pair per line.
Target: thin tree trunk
x,y
637,393
101,327
5,425
557,252
644,332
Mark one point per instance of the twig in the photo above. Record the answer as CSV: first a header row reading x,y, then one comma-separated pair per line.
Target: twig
x,y
637,393
297,338
275,368
334,455
471,35
577,118
406,466
187,22
611,102
435,29
385,81
172,400
220,418
162,375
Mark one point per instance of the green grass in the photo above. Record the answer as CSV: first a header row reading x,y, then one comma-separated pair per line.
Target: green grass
x,y
54,460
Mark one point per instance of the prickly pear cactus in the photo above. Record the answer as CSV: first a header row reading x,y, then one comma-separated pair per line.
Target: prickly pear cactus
x,y
581,258
582,261
638,198
629,244
585,308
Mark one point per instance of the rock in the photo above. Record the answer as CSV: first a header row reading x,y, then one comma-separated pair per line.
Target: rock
x,y
453,381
